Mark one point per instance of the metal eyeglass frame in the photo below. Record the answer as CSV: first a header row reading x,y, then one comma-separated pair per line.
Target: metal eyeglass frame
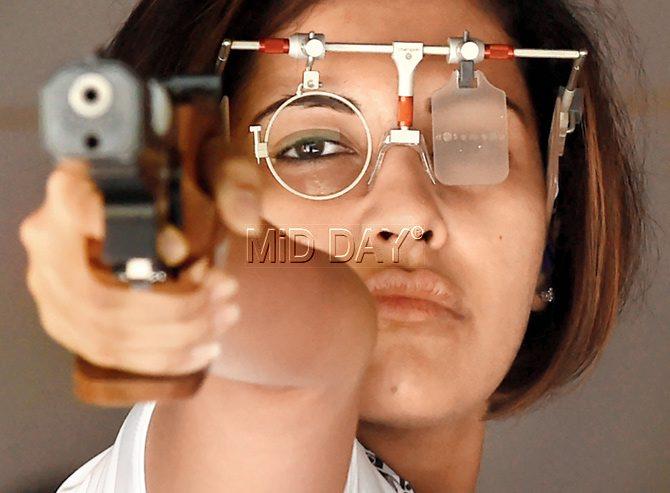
x,y
465,51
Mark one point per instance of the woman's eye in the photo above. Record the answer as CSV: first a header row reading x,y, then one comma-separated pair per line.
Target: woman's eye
x,y
313,149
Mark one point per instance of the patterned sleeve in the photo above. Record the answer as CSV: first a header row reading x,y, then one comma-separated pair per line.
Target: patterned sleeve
x,y
399,484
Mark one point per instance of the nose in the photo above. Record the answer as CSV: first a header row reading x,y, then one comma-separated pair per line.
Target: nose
x,y
402,200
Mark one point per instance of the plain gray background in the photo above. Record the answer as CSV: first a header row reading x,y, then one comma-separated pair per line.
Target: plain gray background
x,y
610,433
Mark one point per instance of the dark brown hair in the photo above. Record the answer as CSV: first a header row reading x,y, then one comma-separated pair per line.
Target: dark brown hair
x,y
599,242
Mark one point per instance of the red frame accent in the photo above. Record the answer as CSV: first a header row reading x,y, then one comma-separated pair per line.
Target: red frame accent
x,y
499,52
274,46
405,111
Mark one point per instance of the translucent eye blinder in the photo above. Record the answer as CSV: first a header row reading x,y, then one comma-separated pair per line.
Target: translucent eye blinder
x,y
318,145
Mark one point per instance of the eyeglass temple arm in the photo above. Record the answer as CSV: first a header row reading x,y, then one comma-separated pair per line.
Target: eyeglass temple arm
x,y
570,104
568,113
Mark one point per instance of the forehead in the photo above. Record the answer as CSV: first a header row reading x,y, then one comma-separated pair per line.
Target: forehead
x,y
372,78
384,21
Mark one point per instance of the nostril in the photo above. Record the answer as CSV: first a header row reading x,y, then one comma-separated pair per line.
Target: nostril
x,y
427,235
385,234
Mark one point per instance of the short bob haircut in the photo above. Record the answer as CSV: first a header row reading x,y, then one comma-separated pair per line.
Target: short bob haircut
x,y
599,224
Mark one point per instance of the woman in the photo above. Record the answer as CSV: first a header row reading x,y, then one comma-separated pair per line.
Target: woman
x,y
295,381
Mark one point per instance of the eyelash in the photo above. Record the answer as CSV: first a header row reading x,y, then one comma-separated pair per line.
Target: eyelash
x,y
285,150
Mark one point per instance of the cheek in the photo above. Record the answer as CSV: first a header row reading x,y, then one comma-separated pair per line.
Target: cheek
x,y
320,221
502,256
278,207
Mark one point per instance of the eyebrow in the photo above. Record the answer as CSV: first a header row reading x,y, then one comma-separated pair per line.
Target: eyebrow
x,y
308,102
327,102
511,105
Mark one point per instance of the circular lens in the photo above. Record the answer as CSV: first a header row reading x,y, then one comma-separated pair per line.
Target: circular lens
x,y
319,145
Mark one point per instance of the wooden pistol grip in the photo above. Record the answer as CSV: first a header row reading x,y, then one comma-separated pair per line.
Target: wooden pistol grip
x,y
114,388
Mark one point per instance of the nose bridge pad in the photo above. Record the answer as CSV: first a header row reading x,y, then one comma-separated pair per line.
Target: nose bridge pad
x,y
421,148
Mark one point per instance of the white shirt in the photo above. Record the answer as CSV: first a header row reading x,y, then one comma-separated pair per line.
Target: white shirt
x,y
120,468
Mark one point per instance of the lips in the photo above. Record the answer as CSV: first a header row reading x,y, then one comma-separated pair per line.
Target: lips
x,y
414,296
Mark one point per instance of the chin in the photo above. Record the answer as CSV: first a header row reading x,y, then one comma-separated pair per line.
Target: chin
x,y
410,386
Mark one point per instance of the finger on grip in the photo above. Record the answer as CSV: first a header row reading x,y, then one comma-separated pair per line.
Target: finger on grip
x,y
160,362
172,246
72,199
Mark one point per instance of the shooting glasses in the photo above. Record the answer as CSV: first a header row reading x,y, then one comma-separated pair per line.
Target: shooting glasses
x,y
318,145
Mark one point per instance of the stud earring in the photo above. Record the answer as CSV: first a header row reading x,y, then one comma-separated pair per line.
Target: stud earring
x,y
547,295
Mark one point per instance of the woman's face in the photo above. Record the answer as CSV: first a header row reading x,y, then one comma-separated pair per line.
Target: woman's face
x,y
485,243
